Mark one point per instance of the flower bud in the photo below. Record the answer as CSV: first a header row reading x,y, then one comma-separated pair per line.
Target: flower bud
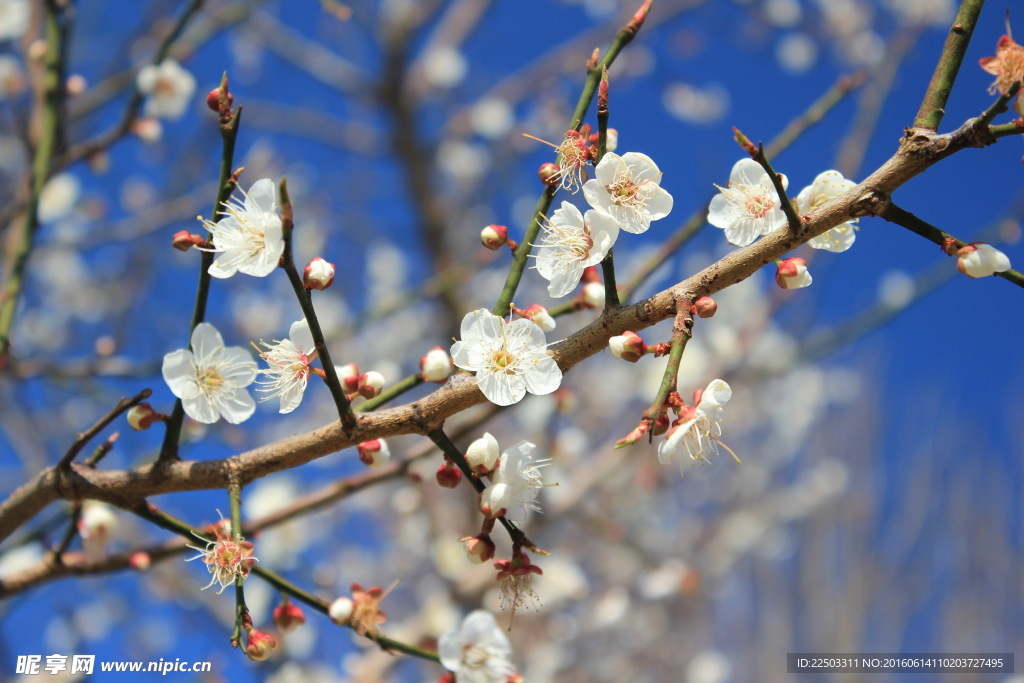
x,y
183,240
142,416
448,475
540,315
593,295
611,141
628,346
792,274
374,453
319,274
288,616
341,611
148,129
482,455
96,525
494,237
75,85
213,100
436,366
371,384
348,375
258,645
978,259
140,561
479,549
705,307
550,174
495,500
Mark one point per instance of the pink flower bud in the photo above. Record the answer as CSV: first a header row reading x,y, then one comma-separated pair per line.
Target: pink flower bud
x,y
341,611
348,375
593,295
371,384
792,274
319,274
183,240
540,315
494,237
96,525
448,476
148,129
978,259
705,307
436,366
258,645
628,346
288,616
75,85
479,549
550,174
142,416
482,455
140,561
213,100
374,453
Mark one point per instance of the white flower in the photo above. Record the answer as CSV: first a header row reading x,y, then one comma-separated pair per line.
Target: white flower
x,y
572,242
168,87
249,239
979,260
628,188
697,429
509,358
14,18
828,186
289,366
515,484
210,379
96,525
749,207
478,651
792,273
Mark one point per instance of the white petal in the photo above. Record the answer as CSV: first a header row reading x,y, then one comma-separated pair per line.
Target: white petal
x,y
544,377
743,232
300,335
237,408
200,409
563,280
718,391
206,341
262,196
605,172
604,230
179,370
501,389
659,203
641,166
748,172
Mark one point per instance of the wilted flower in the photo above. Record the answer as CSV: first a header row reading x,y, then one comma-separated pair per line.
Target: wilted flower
x,y
749,207
225,558
210,379
628,188
1008,68
509,358
478,651
250,238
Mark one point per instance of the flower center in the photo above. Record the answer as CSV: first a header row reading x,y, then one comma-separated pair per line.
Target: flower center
x,y
502,359
758,205
210,380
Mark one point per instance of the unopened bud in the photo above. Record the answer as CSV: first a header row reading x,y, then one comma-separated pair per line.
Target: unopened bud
x,y
448,476
593,295
258,645
348,375
704,307
628,346
75,85
792,274
371,384
319,274
183,240
288,616
479,549
374,453
978,259
611,141
494,237
37,50
550,174
142,416
213,100
638,433
341,611
140,561
540,315
482,455
436,366
148,129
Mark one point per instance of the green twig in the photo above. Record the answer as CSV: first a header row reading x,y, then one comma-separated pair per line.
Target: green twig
x,y
682,331
933,106
391,393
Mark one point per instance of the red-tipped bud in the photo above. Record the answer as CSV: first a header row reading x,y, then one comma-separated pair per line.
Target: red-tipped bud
x,y
348,375
479,549
140,561
594,57
611,141
448,476
213,100
704,307
593,295
319,274
494,237
660,425
591,274
436,366
639,18
978,259
371,384
183,240
639,432
602,92
792,274
258,644
142,416
288,616
374,453
540,315
148,129
628,346
482,455
75,85
550,174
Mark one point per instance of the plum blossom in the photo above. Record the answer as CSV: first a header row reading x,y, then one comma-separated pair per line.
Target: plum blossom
x,y
749,207
478,651
168,88
14,18
792,273
1008,68
509,359
249,238
210,379
628,188
978,259
697,429
827,186
225,558
288,370
514,484
571,242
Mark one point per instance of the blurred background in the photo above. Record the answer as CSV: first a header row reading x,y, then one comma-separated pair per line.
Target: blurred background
x,y
878,412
